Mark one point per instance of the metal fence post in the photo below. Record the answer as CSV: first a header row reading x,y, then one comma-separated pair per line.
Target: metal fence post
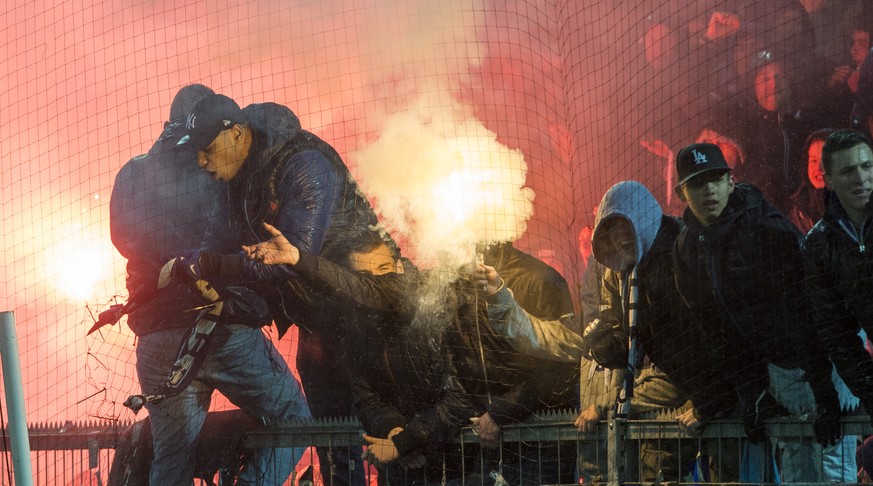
x,y
18,434
615,450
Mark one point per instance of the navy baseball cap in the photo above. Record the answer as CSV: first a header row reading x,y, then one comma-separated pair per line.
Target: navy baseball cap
x,y
209,117
698,158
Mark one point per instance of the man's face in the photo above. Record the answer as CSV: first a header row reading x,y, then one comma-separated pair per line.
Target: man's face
x,y
851,177
225,155
619,243
378,261
771,87
813,165
860,46
707,195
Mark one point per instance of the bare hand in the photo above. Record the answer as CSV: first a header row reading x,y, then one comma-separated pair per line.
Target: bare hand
x,y
485,277
489,431
853,80
381,451
839,76
587,420
689,424
275,251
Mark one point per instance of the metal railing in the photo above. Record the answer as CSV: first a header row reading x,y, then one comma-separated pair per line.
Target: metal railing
x,y
81,453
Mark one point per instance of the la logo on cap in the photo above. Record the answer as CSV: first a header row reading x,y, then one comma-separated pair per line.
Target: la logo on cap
x,y
699,158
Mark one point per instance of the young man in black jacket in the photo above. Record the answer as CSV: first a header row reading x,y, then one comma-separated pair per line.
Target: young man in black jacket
x,y
739,269
451,318
838,252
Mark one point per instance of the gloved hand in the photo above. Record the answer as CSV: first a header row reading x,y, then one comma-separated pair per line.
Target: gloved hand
x,y
827,425
756,412
593,334
188,265
194,265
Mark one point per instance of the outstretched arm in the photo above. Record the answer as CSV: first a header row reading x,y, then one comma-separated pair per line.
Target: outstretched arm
x,y
530,335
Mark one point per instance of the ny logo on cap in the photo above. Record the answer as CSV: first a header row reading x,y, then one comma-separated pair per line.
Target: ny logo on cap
x,y
699,158
189,123
226,122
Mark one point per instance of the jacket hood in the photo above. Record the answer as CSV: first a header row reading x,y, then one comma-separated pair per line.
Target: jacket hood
x,y
632,201
273,125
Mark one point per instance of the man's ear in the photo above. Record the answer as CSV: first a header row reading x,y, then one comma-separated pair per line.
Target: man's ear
x,y
827,179
680,194
237,131
732,184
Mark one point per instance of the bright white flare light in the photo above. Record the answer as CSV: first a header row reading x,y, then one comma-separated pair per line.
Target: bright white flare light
x,y
458,194
76,271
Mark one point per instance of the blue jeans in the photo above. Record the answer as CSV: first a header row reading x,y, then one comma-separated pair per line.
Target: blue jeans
x,y
804,460
242,364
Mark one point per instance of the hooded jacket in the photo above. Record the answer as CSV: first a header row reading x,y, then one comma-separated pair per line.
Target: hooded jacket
x,y
839,264
665,331
742,277
299,184
158,208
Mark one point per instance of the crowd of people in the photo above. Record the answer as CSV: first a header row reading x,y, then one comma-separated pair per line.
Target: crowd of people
x,y
753,304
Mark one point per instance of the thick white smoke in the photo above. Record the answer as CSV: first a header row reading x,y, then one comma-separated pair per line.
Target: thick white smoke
x,y
442,182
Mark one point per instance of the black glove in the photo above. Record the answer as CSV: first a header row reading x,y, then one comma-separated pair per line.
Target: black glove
x,y
756,412
827,425
593,335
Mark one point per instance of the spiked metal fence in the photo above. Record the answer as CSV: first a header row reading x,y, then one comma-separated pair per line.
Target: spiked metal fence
x,y
82,453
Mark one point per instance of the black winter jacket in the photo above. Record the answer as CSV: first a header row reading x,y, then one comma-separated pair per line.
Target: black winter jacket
x,y
839,266
665,330
742,278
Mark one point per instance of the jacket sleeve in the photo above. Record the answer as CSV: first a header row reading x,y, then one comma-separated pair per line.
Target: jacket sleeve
x,y
541,386
308,190
377,416
530,335
797,323
381,293
837,326
590,291
309,193
612,350
599,387
441,422
220,237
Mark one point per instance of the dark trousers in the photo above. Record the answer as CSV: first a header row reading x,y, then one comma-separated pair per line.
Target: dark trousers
x,y
325,383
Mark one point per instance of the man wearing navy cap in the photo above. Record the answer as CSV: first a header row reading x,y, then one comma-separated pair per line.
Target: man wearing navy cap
x,y
739,269
280,174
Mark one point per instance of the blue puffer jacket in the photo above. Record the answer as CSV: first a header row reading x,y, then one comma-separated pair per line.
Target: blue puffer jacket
x,y
299,184
159,207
